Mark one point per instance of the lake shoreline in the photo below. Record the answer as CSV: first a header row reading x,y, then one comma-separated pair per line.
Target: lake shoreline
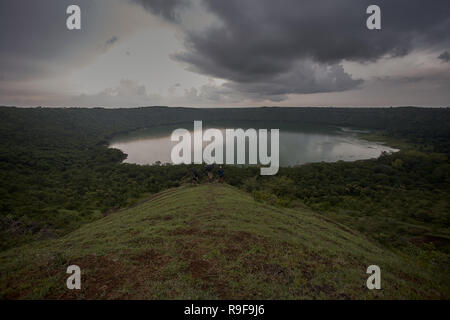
x,y
299,143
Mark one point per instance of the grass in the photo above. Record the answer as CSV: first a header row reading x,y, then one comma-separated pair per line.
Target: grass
x,y
215,242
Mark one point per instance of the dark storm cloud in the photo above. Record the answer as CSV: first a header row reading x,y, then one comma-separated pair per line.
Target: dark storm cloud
x,y
445,56
260,37
303,77
265,45
165,8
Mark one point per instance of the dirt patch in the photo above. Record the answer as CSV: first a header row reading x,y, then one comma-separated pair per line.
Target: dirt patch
x,y
199,268
193,231
193,253
111,277
236,244
209,273
151,259
438,242
185,232
110,211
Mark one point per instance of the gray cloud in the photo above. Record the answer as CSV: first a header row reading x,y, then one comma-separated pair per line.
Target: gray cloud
x,y
303,77
168,9
325,30
296,46
445,56
111,41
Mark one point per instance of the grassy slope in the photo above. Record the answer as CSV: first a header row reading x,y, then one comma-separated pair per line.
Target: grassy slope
x,y
208,242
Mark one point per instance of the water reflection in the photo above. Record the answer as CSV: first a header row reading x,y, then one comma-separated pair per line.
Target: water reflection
x,y
298,144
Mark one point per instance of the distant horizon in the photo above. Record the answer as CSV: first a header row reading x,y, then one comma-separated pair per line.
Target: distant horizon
x,y
229,107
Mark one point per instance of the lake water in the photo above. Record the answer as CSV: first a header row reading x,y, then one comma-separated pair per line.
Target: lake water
x,y
299,144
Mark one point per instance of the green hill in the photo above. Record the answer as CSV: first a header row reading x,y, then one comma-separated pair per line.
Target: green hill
x,y
212,242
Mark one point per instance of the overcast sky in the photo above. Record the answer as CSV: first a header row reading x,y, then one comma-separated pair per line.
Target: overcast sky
x,y
216,53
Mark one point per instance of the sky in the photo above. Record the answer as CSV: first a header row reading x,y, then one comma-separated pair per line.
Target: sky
x,y
215,53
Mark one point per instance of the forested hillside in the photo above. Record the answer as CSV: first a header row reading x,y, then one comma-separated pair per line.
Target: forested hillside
x,y
57,172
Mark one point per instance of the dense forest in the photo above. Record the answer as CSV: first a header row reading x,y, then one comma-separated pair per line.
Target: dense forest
x,y
57,172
